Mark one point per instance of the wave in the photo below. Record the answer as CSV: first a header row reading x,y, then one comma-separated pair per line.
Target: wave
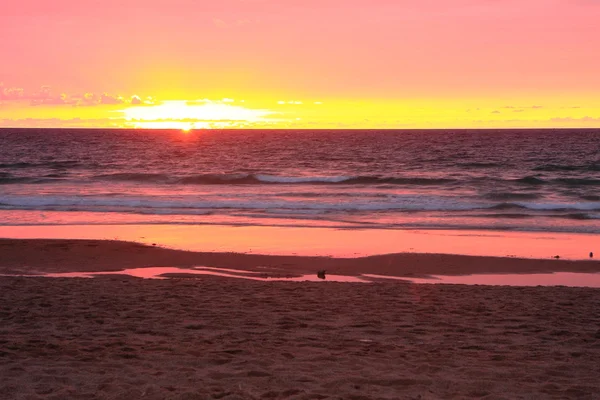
x,y
591,197
191,204
216,179
102,203
237,179
11,180
133,177
508,206
480,165
47,164
530,180
302,179
579,181
533,180
399,181
512,196
585,206
506,216
558,167
581,216
266,179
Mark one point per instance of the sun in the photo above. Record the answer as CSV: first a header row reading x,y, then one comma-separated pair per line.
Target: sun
x,y
187,115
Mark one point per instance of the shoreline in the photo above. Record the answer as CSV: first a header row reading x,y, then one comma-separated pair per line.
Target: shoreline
x,y
28,218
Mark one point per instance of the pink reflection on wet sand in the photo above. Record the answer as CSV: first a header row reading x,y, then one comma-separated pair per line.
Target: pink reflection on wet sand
x,y
573,279
543,279
159,272
325,241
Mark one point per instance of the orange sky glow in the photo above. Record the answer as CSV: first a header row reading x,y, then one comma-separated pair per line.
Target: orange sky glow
x,y
196,64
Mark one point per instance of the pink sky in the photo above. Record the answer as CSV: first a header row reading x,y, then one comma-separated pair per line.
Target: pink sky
x,y
364,50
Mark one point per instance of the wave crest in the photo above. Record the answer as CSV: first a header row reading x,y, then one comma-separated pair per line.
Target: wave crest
x,y
235,178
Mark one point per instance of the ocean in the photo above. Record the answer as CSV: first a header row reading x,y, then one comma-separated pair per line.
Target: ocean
x,y
515,180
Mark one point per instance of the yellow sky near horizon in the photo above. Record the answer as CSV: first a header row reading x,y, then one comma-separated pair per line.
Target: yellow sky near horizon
x,y
305,113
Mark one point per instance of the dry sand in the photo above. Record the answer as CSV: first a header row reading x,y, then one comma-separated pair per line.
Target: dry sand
x,y
125,338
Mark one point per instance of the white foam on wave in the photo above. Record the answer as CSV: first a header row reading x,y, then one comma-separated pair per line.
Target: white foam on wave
x,y
188,204
198,205
301,179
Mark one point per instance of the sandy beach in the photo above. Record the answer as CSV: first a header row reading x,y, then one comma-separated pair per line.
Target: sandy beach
x,y
117,337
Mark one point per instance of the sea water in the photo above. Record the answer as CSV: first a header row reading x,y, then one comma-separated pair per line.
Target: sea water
x,y
513,180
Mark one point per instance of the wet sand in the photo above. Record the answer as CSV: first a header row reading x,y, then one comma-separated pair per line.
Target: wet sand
x,y
328,242
67,255
117,337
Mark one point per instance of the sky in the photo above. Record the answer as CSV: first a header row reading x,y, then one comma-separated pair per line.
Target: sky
x,y
300,63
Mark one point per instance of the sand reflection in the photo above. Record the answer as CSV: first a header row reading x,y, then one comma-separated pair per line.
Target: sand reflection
x,y
573,279
171,272
545,279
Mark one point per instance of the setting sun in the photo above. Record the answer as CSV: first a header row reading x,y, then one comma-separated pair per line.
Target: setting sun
x,y
186,115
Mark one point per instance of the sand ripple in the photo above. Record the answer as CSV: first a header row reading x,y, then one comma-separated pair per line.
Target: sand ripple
x,y
126,338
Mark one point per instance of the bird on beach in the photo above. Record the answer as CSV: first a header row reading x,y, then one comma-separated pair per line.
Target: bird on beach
x,y
321,274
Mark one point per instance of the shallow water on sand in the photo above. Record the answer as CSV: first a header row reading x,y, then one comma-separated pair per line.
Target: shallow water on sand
x,y
573,279
164,272
541,279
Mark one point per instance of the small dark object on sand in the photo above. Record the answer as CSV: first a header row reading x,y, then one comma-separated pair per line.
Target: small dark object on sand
x,y
591,254
153,244
557,257
321,274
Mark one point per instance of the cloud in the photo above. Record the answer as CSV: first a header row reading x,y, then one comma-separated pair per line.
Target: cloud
x,y
45,96
201,102
557,122
58,123
225,24
523,107
51,100
138,101
92,99
40,97
108,99
11,93
575,120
